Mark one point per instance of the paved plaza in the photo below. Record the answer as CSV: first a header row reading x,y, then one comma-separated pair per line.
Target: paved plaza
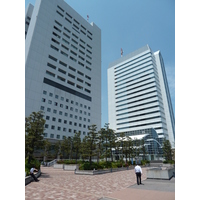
x,y
60,184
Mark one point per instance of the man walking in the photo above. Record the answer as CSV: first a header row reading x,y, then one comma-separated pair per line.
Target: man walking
x,y
138,172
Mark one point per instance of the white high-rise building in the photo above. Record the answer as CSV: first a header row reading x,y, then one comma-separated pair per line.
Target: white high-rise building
x,y
62,68
138,95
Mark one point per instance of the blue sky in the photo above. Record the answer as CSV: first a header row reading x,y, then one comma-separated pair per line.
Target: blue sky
x,y
131,24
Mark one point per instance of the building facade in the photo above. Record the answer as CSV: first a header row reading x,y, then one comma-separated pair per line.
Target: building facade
x,y
138,96
62,68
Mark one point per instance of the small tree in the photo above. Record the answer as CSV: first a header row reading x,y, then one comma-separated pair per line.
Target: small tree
x,y
90,142
47,148
34,134
77,144
167,150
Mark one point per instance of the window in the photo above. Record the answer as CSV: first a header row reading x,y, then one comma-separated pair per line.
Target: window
x,y
52,127
58,136
71,68
54,119
63,64
60,120
87,77
66,107
48,109
53,47
64,129
53,58
50,73
62,98
59,128
44,92
61,105
55,41
42,108
52,136
50,94
61,78
70,83
51,66
54,111
55,34
65,121
47,117
59,13
49,102
55,103
57,29
46,126
80,87
56,96
63,53
45,134
64,47
70,75
66,114
60,112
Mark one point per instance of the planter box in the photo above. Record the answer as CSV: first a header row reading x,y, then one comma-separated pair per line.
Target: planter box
x,y
58,166
157,173
70,167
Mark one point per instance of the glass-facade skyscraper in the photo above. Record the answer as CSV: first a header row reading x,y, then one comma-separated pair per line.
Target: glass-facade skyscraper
x,y
139,97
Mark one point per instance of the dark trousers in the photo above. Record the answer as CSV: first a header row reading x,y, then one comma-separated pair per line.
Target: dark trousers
x,y
34,177
138,176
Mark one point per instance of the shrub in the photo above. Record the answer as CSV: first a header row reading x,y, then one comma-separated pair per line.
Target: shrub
x,y
34,162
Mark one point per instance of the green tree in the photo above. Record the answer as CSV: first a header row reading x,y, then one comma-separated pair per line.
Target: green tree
x,y
47,148
90,142
57,147
77,144
100,144
34,134
66,147
167,150
112,141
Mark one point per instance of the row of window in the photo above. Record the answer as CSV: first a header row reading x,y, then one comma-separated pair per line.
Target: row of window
x,y
65,65
69,82
57,136
74,41
64,106
70,122
77,26
67,74
67,100
64,128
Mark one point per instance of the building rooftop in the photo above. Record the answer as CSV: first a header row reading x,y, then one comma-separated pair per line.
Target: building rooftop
x,y
130,55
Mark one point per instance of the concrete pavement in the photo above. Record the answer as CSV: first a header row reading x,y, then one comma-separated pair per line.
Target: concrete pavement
x,y
60,184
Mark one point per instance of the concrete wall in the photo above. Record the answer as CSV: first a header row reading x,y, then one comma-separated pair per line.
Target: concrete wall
x,y
157,173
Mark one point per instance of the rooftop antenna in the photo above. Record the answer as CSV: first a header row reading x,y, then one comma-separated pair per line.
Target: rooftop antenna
x,y
87,17
121,52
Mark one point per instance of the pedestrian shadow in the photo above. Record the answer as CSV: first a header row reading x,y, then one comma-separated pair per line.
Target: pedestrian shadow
x,y
45,175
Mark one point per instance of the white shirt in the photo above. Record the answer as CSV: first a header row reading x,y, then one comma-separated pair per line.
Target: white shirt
x,y
138,169
32,170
